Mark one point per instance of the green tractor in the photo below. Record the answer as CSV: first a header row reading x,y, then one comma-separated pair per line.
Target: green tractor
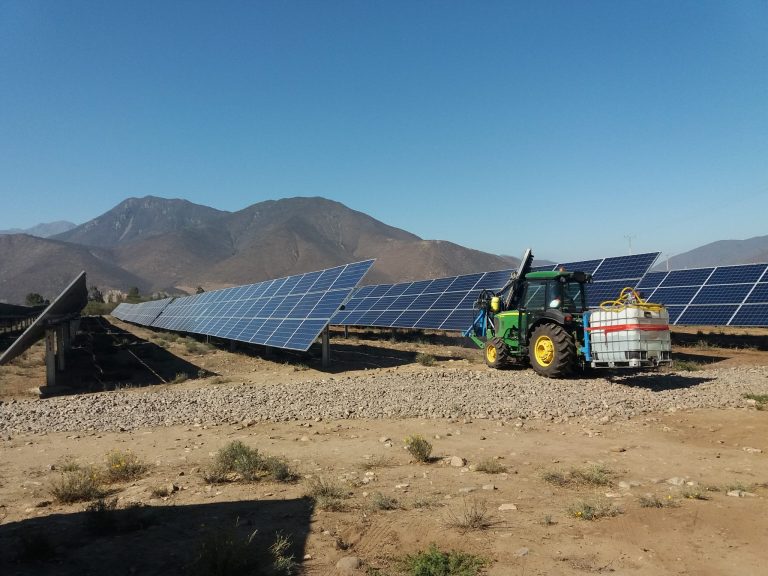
x,y
537,318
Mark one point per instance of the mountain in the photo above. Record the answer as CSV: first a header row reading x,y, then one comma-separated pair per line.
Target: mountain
x,y
45,230
140,218
31,264
161,244
721,253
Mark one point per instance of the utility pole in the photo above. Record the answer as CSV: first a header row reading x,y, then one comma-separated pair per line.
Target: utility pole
x,y
629,238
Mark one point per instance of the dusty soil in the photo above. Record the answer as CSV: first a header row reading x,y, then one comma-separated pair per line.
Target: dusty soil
x,y
671,455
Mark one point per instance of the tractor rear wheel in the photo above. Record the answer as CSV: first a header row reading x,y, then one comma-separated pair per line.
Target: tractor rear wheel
x,y
552,352
496,353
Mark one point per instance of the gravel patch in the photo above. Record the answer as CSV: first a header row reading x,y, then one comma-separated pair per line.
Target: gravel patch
x,y
434,393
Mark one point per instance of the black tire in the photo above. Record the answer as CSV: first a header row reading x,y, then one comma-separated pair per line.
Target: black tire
x,y
496,353
552,351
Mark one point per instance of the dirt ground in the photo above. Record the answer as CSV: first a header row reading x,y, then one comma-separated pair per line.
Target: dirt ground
x,y
684,462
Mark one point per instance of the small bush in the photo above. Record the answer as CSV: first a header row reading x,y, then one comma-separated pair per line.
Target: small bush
x,y
160,492
279,469
419,448
328,495
100,516
594,475
124,467
761,400
687,366
653,501
238,462
593,510
282,563
180,377
694,494
377,462
473,516
433,562
223,553
427,503
491,466
382,502
79,485
425,359
555,477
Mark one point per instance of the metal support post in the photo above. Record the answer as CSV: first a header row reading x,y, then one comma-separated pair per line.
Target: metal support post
x,y
346,332
326,344
62,345
50,357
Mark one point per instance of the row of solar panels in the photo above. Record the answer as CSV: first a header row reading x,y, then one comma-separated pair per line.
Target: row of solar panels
x,y
448,303
287,312
291,312
719,296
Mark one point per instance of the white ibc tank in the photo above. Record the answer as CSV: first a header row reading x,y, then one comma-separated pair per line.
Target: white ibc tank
x,y
631,337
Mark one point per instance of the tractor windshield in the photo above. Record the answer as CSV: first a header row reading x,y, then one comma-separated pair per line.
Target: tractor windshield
x,y
572,297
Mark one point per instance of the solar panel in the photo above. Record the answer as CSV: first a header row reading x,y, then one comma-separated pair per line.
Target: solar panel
x,y
448,303
67,304
141,313
287,312
715,296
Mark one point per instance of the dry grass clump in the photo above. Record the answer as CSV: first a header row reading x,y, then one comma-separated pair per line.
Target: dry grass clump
x,y
81,484
593,475
425,359
491,466
653,501
327,494
123,466
434,562
694,494
238,462
380,461
473,516
761,400
418,447
593,510
228,553
383,502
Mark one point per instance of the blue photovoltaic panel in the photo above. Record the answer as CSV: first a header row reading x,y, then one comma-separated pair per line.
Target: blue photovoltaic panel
x,y
707,315
143,313
751,315
284,313
448,303
693,277
759,294
651,280
726,295
625,267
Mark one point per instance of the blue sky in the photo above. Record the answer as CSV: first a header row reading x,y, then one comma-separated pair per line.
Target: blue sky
x,y
565,126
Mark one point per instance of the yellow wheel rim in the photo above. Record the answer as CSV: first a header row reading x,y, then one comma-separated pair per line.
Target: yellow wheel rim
x,y
490,352
544,350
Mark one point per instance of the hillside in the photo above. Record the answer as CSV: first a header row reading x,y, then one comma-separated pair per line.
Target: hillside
x,y
721,253
44,230
140,218
31,264
157,244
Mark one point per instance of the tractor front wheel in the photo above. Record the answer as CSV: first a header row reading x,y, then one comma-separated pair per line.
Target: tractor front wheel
x,y
552,352
496,353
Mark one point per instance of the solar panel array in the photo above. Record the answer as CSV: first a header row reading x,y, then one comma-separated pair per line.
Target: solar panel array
x,y
448,303
142,313
718,296
66,305
288,312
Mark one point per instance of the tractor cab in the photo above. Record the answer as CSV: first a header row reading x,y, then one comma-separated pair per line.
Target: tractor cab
x,y
560,290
